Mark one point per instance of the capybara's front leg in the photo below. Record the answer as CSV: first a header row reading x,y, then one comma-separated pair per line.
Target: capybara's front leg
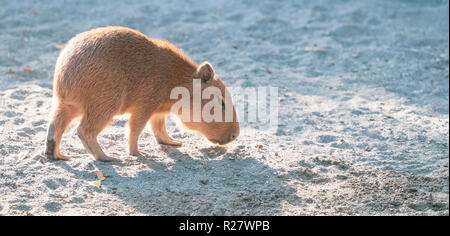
x,y
88,131
158,122
137,123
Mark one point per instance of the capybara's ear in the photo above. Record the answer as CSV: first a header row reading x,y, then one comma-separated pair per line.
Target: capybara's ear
x,y
205,71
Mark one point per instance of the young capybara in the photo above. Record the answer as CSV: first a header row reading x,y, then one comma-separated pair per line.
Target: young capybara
x,y
114,70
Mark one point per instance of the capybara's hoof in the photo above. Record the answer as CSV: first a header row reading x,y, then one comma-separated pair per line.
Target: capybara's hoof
x,y
170,143
138,154
58,157
51,154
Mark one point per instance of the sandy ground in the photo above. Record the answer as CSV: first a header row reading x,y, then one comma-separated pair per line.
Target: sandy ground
x,y
363,117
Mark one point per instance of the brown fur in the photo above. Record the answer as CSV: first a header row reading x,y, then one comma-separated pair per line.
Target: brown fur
x,y
115,70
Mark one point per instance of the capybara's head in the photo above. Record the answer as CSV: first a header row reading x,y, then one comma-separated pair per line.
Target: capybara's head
x,y
212,110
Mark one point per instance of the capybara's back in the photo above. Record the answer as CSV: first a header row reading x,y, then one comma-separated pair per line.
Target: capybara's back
x,y
112,65
115,70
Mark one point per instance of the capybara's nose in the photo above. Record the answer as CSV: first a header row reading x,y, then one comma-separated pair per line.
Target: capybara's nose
x,y
230,138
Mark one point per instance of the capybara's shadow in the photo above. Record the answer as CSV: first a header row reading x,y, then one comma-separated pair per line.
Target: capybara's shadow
x,y
213,152
196,186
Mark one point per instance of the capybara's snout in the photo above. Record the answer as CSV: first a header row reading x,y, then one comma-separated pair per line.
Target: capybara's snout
x,y
228,137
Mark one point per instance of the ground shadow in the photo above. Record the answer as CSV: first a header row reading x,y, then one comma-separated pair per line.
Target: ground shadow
x,y
205,186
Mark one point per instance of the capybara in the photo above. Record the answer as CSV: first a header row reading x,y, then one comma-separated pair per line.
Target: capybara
x,y
115,70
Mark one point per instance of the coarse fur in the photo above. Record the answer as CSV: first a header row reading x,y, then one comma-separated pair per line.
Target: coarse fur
x,y
114,70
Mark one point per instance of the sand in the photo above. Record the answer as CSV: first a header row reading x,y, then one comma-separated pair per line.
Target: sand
x,y
363,111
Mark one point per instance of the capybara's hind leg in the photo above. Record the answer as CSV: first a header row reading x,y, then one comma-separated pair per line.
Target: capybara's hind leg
x,y
90,127
62,117
158,122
